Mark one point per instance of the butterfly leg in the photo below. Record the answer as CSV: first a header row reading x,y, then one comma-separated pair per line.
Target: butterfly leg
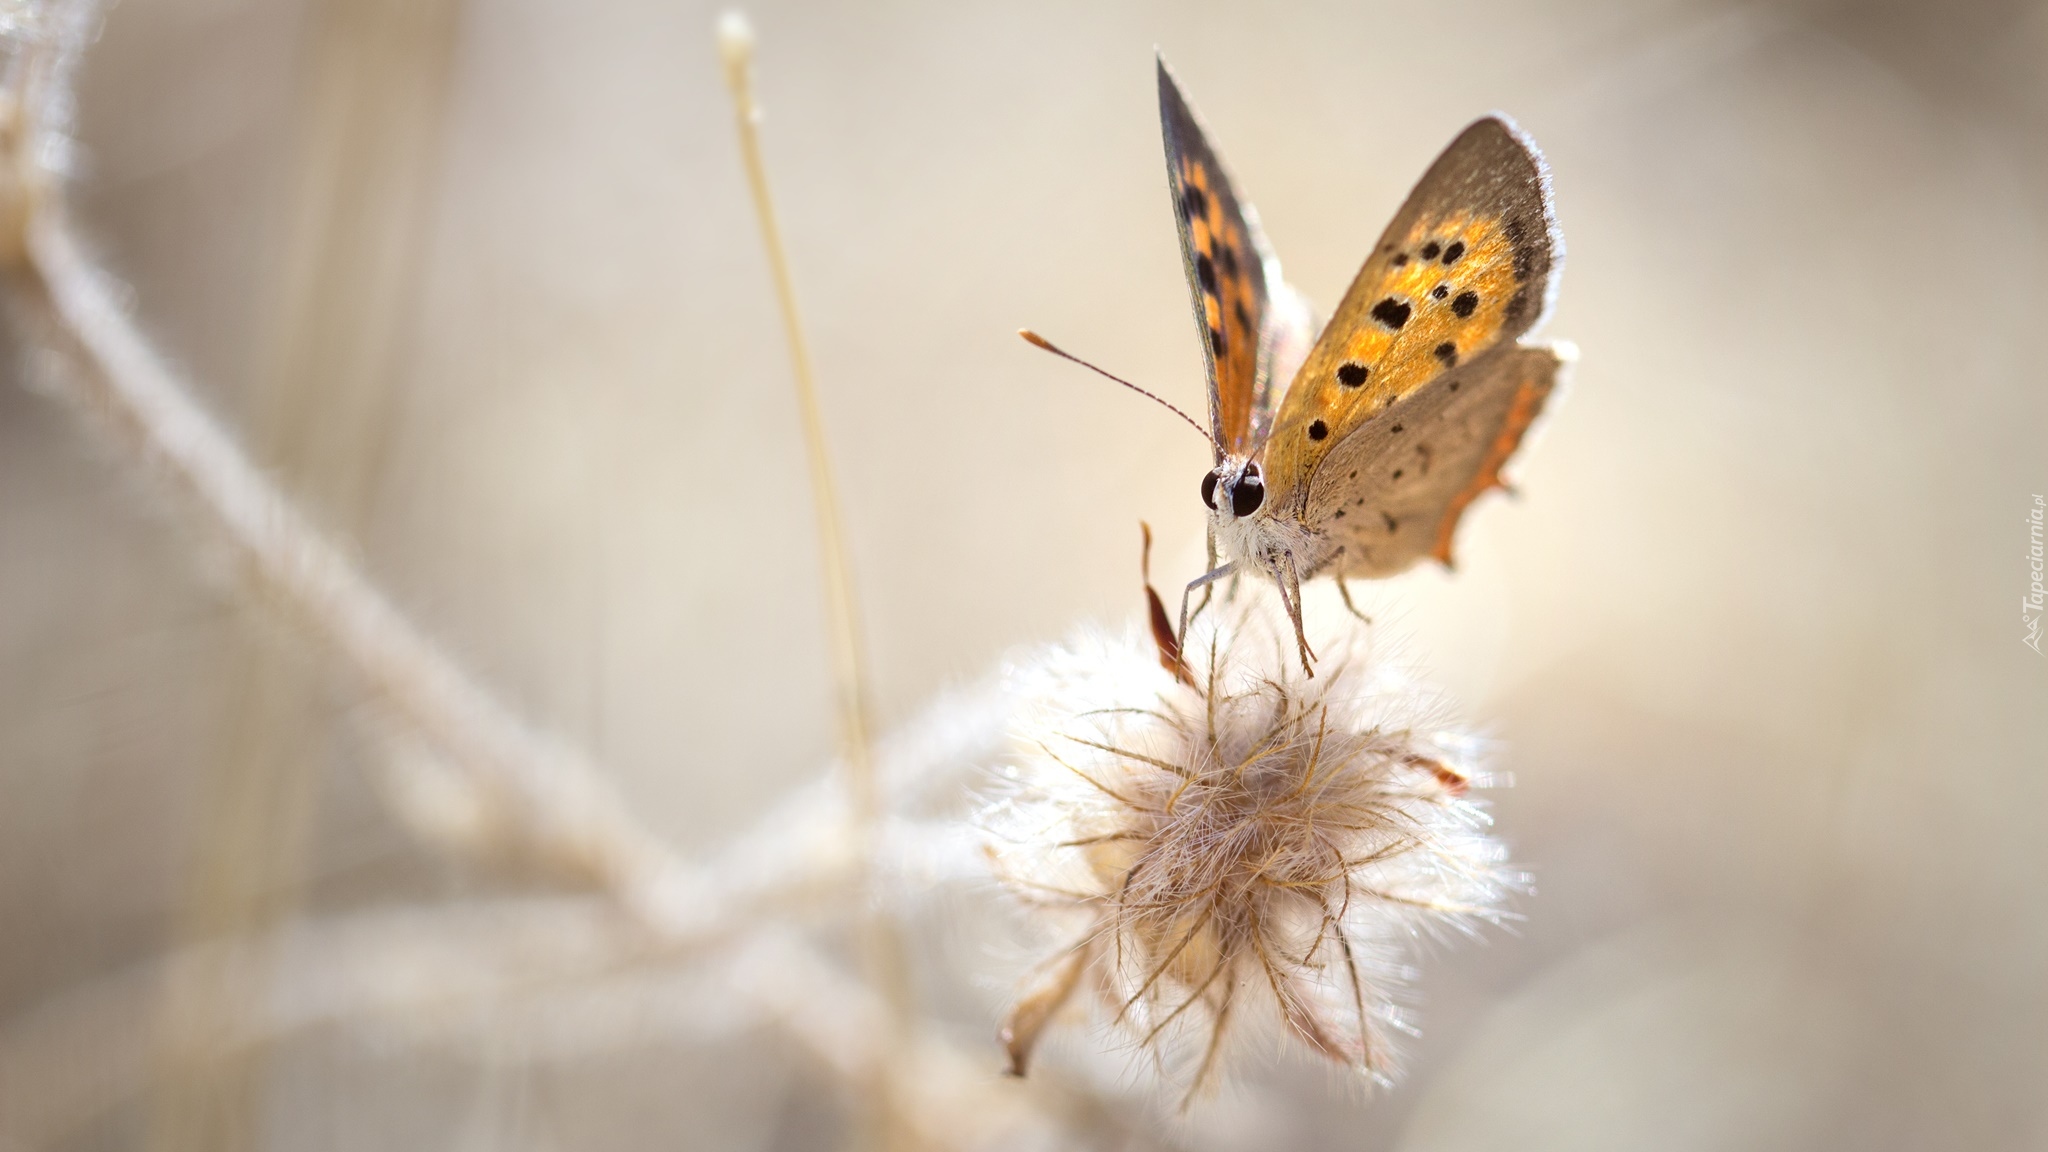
x,y
1202,581
1344,590
1290,595
1208,589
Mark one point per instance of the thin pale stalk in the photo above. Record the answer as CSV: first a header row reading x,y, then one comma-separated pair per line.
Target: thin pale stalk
x,y
848,660
883,949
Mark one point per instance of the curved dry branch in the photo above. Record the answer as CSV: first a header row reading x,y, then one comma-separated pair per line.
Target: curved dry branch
x,y
550,978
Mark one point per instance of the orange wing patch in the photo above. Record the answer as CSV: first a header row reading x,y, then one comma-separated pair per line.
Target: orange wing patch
x,y
1230,271
1226,278
1443,292
1446,291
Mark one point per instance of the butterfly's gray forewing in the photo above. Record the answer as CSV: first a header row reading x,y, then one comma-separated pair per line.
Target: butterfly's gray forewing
x,y
1392,493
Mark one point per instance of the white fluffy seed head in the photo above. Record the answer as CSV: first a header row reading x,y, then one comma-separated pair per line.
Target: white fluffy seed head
x,y
1253,851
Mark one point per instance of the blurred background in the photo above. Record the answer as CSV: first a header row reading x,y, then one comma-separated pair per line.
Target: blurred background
x,y
480,284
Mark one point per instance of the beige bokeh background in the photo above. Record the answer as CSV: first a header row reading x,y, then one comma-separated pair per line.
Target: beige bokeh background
x,y
1750,638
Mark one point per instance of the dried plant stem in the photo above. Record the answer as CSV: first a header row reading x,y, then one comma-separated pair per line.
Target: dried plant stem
x,y
884,951
566,974
520,790
368,121
537,795
534,788
541,797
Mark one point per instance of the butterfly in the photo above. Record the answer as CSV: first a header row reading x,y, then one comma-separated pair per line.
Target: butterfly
x,y
1405,408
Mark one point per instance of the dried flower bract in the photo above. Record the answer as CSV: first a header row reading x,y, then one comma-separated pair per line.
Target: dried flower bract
x,y
1249,850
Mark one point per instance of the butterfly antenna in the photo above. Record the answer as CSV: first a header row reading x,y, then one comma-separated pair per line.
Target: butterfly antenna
x,y
1049,346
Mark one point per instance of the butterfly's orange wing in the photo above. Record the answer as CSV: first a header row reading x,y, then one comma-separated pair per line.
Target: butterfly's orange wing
x,y
1249,318
1468,265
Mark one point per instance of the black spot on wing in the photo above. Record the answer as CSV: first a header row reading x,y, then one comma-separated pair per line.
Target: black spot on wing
x,y
1228,258
1217,341
1465,303
1400,259
1455,250
1194,201
1447,352
1351,373
1393,525
1244,318
1205,270
1430,250
1318,430
1439,292
1391,312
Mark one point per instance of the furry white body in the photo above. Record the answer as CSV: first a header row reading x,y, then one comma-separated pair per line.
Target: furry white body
x,y
1262,542
1249,537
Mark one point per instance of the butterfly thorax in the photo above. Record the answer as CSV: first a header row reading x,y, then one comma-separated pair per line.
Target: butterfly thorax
x,y
1250,529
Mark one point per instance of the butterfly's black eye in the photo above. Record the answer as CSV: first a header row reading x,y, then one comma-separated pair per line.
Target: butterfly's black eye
x,y
1248,495
1209,490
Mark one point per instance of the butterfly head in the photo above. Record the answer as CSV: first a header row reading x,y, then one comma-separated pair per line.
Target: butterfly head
x,y
1233,489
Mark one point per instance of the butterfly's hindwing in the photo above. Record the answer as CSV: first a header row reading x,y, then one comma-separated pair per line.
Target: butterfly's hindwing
x,y
1467,265
1392,493
1230,268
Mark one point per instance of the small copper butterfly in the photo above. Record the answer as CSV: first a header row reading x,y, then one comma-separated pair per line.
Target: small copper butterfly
x,y
1407,406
